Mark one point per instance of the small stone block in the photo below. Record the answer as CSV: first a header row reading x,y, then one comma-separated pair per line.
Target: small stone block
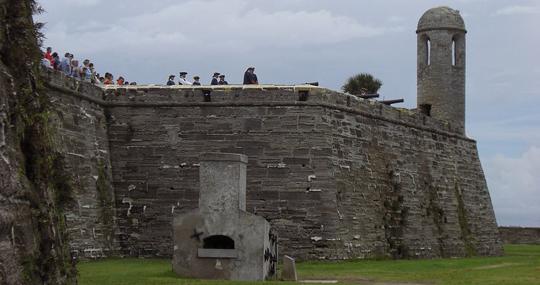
x,y
288,273
216,253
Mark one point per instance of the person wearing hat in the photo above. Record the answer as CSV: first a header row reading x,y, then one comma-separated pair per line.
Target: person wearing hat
x,y
182,80
215,79
250,77
171,80
196,80
222,80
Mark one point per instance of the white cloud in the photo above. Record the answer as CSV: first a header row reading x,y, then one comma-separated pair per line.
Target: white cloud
x,y
517,10
514,184
81,3
511,129
209,25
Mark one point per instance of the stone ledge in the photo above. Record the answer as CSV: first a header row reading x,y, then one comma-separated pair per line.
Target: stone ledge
x,y
319,97
215,156
217,253
232,87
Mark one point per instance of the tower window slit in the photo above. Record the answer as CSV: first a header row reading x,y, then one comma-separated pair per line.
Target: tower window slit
x,y
454,55
428,51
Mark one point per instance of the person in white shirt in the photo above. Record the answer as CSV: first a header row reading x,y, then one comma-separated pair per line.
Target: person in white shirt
x,y
182,80
46,63
65,64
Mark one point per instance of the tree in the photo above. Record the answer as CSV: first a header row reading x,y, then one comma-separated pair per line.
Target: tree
x,y
361,84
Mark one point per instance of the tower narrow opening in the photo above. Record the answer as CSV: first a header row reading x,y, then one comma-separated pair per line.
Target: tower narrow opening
x,y
218,242
454,52
425,109
428,51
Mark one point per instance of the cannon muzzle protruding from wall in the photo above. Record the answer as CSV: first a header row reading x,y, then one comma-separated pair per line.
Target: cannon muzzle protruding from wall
x,y
393,101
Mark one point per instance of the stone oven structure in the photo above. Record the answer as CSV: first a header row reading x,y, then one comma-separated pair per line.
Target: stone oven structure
x,y
220,240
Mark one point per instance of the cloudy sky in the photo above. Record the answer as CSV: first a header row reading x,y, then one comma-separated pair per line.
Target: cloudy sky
x,y
296,41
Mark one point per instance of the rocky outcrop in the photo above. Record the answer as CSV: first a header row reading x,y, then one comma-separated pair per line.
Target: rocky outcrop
x,y
34,186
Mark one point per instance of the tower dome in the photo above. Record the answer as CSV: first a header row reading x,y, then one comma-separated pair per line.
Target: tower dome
x,y
441,18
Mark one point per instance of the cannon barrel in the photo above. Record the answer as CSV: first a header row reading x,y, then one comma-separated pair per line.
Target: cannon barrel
x,y
368,96
390,102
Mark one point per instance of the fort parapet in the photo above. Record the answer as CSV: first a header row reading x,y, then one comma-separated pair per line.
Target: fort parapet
x,y
337,176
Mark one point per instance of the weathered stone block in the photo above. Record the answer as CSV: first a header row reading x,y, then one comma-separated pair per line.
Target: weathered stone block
x,y
288,272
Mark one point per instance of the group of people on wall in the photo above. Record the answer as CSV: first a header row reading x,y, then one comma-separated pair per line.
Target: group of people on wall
x,y
217,78
87,72
72,68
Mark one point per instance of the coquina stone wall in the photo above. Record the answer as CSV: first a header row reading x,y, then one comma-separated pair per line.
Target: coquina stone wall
x,y
520,235
81,135
337,176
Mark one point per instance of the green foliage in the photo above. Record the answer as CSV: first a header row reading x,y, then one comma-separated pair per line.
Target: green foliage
x,y
519,266
362,83
394,217
464,224
47,186
50,192
22,38
435,211
105,199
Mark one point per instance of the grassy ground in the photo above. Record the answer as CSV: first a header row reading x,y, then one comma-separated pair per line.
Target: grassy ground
x,y
521,265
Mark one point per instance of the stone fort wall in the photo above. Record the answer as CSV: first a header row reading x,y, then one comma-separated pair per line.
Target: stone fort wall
x,y
337,176
520,235
81,135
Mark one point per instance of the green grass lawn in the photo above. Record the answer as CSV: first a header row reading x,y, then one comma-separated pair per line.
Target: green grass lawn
x,y
521,265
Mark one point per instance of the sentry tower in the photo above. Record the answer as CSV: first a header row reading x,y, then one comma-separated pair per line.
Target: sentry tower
x,y
441,66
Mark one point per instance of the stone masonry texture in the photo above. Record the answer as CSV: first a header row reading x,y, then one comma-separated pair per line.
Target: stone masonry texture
x,y
520,235
82,137
337,177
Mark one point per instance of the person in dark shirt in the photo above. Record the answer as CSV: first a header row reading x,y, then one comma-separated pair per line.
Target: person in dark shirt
x,y
247,76
215,79
55,61
171,80
222,80
196,80
254,79
250,77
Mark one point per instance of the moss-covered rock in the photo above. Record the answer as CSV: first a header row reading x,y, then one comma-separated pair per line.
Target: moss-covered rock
x,y
35,188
